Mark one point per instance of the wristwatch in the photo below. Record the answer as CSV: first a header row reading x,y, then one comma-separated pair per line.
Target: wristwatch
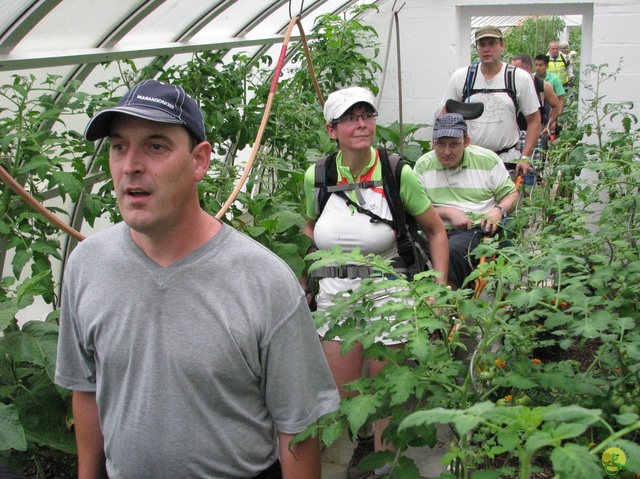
x,y
504,212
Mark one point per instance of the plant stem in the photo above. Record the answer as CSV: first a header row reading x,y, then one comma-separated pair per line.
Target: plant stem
x,y
617,435
525,465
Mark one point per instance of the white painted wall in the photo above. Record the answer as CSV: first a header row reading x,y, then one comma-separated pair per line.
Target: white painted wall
x,y
434,41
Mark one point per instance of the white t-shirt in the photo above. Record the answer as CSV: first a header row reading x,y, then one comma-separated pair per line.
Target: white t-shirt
x,y
496,129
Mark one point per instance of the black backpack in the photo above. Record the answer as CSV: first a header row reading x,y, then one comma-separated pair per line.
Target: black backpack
x,y
510,89
411,245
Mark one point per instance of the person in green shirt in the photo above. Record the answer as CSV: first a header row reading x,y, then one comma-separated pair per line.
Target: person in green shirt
x,y
541,65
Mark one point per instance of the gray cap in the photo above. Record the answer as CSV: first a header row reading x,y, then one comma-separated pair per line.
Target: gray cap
x,y
488,31
449,124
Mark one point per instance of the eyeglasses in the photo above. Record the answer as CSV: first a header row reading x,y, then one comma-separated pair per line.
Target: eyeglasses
x,y
452,146
353,119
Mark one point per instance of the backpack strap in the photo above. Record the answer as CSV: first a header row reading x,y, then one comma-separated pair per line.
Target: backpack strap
x,y
470,80
564,59
326,173
391,167
374,217
405,225
326,177
510,85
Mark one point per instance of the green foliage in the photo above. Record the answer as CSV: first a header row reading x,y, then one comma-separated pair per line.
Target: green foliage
x,y
41,153
41,157
33,410
225,92
500,368
344,50
404,142
569,276
575,39
234,95
532,36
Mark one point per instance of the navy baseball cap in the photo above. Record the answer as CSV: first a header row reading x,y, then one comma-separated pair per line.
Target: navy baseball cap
x,y
449,124
154,101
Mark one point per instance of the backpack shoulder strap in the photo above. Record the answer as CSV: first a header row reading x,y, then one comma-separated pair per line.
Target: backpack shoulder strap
x,y
326,174
391,167
539,83
470,80
405,225
564,59
510,85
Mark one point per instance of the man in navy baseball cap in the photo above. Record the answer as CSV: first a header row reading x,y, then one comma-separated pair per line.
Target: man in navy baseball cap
x,y
154,313
155,101
470,189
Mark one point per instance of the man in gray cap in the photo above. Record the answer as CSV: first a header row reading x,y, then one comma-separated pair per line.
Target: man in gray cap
x,y
189,347
497,128
470,189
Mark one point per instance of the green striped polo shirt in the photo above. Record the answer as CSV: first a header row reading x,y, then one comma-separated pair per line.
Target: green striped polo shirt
x,y
476,186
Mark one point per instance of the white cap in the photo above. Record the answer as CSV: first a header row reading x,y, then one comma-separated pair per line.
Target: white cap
x,y
340,101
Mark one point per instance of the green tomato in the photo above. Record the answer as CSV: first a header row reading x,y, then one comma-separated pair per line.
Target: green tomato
x,y
524,349
488,374
502,402
616,401
523,400
632,408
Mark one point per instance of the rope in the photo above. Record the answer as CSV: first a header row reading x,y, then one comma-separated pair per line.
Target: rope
x,y
35,204
301,9
400,119
386,61
312,73
265,116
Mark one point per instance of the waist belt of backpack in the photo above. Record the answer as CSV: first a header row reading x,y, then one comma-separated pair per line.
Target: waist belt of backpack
x,y
344,271
506,149
353,271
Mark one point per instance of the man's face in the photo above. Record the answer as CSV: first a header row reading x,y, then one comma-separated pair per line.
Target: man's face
x,y
450,150
490,50
541,68
554,49
155,174
356,129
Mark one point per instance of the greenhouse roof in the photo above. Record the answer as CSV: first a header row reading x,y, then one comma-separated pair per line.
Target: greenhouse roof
x,y
70,37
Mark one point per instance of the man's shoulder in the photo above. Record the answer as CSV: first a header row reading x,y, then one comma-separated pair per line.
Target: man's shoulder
x,y
426,162
460,74
242,249
478,156
519,72
98,240
552,77
522,77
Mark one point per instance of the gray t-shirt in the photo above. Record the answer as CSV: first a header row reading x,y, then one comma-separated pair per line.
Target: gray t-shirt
x,y
197,365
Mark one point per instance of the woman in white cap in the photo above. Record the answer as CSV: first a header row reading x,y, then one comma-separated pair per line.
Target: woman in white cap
x,y
350,117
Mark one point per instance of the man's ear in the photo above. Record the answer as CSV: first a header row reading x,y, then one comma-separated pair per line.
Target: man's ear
x,y
202,156
467,140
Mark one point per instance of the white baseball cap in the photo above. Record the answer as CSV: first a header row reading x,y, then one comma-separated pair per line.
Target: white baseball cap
x,y
341,100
